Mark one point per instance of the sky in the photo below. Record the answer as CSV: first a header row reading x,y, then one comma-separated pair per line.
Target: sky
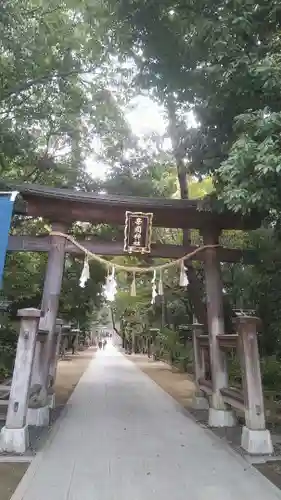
x,y
144,117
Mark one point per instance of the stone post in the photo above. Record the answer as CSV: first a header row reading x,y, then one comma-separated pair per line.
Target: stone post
x,y
39,415
199,401
219,414
256,439
74,338
54,363
14,436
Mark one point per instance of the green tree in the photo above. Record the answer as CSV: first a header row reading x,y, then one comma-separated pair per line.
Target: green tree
x,y
56,108
220,61
55,102
250,178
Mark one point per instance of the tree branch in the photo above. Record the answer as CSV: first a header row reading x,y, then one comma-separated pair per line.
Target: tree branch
x,y
37,81
30,13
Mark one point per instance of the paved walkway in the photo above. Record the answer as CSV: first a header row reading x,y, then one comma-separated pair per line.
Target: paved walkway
x,y
123,438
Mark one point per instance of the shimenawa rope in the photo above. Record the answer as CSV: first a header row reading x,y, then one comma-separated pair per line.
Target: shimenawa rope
x,y
132,269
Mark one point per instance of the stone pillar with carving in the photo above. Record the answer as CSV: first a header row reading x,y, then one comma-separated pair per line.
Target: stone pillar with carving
x,y
38,411
219,414
14,437
199,401
256,438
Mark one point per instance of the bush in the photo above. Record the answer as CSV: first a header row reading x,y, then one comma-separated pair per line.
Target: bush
x,y
8,345
4,371
172,350
234,371
271,373
181,357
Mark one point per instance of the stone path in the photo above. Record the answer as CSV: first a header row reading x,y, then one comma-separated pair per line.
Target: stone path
x,y
123,438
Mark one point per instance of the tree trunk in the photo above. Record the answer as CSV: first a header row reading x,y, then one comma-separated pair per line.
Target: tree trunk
x,y
195,286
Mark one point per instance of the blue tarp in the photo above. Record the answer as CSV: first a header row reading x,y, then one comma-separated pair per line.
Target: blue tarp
x,y
6,211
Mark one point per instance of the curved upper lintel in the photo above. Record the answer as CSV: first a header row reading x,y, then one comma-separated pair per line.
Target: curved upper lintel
x,y
74,205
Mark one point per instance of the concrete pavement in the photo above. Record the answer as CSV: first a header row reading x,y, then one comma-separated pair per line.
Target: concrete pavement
x,y
123,438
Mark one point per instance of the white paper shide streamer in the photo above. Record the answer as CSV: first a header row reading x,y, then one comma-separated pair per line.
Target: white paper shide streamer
x,y
110,287
154,288
85,275
160,285
183,277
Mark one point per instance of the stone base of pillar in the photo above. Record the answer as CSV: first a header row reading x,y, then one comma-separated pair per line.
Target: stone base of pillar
x,y
52,401
199,403
40,417
221,418
14,440
256,442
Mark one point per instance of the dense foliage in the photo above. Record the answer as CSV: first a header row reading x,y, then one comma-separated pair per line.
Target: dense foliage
x,y
53,112
219,60
68,70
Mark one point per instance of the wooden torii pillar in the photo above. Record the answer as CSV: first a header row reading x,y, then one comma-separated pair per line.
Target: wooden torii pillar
x,y
38,413
54,363
219,414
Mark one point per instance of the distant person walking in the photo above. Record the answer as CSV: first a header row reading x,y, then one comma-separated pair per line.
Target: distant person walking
x,y
100,344
104,344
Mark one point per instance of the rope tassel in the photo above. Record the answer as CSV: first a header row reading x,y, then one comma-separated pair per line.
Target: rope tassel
x,y
131,269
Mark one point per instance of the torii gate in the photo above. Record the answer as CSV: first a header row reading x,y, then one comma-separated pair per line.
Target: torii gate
x,y
37,348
